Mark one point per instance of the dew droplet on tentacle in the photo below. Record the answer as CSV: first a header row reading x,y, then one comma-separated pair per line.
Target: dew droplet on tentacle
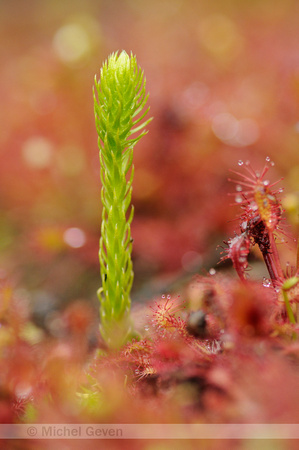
x,y
266,282
253,206
244,225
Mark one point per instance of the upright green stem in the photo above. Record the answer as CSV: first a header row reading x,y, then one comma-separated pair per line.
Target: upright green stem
x,y
119,111
288,307
288,286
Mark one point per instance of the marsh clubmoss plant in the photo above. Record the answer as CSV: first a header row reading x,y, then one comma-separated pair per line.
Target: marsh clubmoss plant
x,y
120,109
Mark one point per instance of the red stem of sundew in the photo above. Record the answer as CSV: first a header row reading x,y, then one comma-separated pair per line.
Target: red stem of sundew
x,y
273,263
276,256
271,268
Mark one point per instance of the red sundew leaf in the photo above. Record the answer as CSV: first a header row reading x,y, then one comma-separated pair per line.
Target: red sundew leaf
x,y
259,200
19,406
164,316
137,355
237,251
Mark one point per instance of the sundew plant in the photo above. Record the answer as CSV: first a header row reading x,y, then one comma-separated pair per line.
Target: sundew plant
x,y
120,107
260,223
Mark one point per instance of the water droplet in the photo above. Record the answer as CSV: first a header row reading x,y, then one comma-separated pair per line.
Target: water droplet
x,y
280,190
238,199
168,297
247,163
238,188
268,158
244,225
163,296
212,271
253,206
240,162
146,328
266,183
272,163
266,282
137,372
258,174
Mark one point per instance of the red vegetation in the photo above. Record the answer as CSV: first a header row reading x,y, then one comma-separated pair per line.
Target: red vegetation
x,y
224,84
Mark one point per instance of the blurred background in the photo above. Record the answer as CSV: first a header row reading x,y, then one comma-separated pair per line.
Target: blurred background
x,y
223,79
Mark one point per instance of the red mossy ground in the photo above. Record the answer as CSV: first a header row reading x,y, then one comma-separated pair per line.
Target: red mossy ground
x,y
239,365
